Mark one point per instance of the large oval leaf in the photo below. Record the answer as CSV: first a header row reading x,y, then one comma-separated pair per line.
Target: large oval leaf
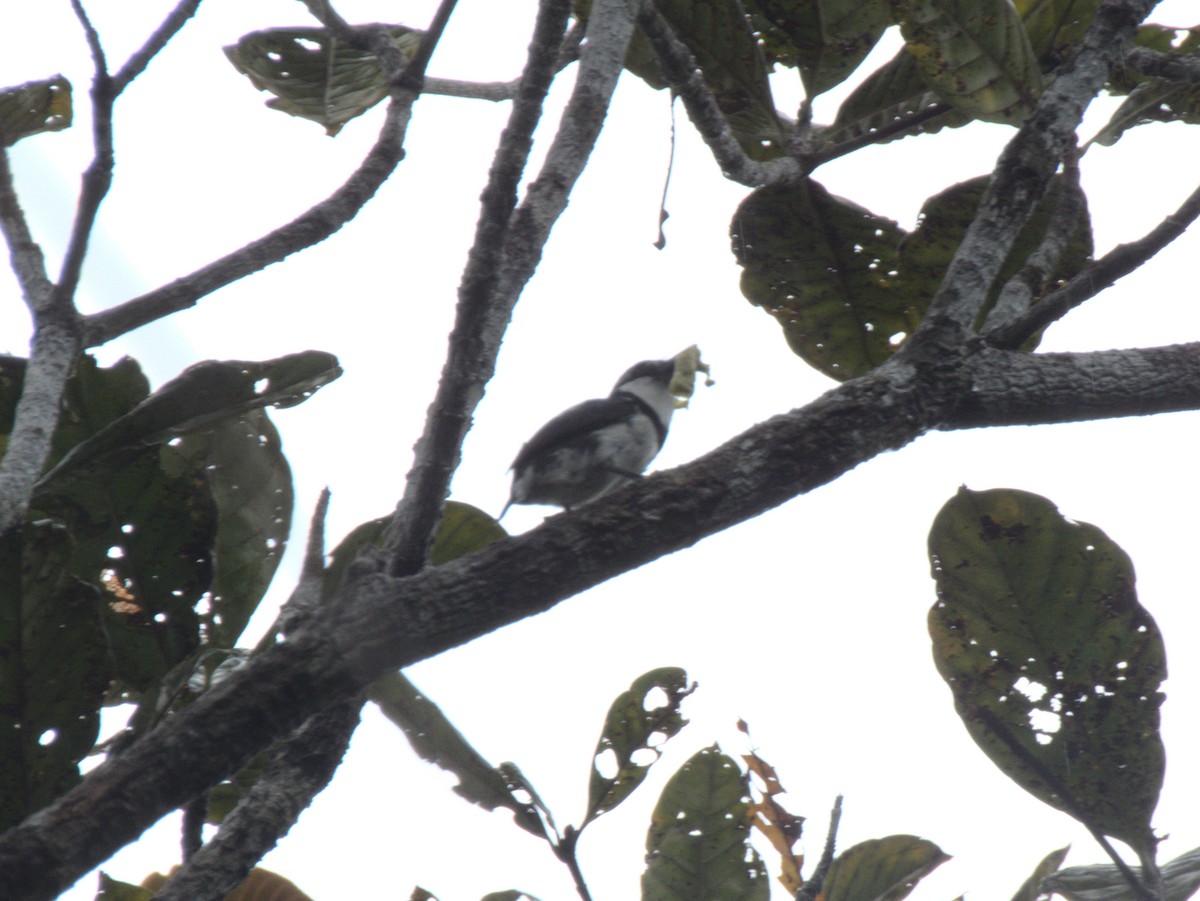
x,y
881,869
974,54
825,268
826,39
1054,665
927,251
698,843
728,54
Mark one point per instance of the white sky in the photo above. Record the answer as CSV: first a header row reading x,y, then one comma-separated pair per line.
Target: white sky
x,y
808,622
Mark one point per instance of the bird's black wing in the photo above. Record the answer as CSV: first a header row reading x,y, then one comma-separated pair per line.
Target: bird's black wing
x,y
573,423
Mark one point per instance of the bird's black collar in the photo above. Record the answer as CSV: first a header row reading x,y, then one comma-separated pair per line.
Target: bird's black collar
x,y
659,426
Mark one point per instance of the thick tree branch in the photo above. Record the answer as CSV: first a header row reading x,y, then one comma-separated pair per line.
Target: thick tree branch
x,y
1014,388
682,73
1026,166
1017,294
1172,67
55,346
1117,263
295,775
390,622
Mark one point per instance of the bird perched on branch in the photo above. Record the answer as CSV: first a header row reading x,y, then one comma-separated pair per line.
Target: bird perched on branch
x,y
585,452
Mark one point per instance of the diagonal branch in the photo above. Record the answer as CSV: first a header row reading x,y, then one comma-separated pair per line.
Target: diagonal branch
x,y
385,623
171,25
508,242
1025,168
1117,263
309,228
1016,295
682,72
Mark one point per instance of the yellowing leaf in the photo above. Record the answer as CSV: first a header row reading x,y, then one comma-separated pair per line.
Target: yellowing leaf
x,y
34,107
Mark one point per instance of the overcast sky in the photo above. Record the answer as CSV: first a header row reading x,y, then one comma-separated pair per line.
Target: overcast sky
x,y
808,622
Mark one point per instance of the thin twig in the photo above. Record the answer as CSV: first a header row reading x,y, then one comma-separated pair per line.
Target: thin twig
x,y
682,72
882,133
812,886
311,227
413,76
1117,263
171,25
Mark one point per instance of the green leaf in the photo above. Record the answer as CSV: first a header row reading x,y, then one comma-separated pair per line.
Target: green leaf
x,y
436,739
894,97
315,76
927,251
463,529
634,729
698,842
1055,26
1154,99
1054,666
825,268
881,869
827,39
54,669
974,55
1030,890
203,394
113,890
34,107
728,54
251,484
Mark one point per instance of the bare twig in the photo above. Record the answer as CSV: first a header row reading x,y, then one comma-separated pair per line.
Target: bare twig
x,y
311,227
812,886
681,71
154,44
1117,263
896,126
412,78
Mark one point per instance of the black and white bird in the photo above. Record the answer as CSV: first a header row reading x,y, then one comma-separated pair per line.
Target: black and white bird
x,y
585,452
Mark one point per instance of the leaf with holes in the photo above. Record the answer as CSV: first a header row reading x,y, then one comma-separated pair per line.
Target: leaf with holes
x,y
892,102
648,712
927,251
881,869
826,39
825,268
34,107
1054,666
698,845
728,54
975,55
315,76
